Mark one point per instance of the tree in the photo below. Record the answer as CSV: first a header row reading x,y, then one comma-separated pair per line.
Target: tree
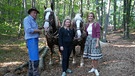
x,y
121,13
64,9
72,11
126,17
114,15
33,3
106,22
25,7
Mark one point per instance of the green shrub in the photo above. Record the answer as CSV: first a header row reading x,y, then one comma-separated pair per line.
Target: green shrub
x,y
8,29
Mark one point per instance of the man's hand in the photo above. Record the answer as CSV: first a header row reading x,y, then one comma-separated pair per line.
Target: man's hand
x,y
40,28
38,31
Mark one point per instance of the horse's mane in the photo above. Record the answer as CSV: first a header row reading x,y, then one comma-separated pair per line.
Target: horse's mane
x,y
77,17
48,9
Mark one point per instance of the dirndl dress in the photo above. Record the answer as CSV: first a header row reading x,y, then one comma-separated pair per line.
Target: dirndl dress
x,y
90,51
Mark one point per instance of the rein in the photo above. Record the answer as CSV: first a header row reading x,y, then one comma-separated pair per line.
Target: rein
x,y
54,35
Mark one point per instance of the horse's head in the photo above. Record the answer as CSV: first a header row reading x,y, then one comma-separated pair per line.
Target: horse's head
x,y
78,26
50,23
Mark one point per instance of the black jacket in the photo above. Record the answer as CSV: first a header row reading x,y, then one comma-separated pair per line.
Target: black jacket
x,y
66,36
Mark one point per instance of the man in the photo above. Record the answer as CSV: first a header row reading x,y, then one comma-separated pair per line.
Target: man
x,y
31,36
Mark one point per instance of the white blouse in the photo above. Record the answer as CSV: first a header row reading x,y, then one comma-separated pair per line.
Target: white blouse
x,y
89,29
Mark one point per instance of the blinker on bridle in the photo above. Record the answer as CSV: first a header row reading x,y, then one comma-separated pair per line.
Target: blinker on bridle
x,y
48,19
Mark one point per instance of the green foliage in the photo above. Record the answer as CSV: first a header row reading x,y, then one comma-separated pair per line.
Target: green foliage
x,y
132,24
8,29
22,44
12,12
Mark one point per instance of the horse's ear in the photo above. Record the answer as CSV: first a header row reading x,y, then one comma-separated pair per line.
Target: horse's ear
x,y
73,23
52,5
81,14
44,7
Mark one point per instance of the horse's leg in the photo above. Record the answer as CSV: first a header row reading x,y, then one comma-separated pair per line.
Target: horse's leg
x,y
60,56
51,55
74,55
81,51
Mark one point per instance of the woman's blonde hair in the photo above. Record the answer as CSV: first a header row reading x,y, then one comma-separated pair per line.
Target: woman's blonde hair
x,y
92,14
66,18
89,14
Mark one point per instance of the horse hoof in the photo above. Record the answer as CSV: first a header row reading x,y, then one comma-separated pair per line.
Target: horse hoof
x,y
60,62
74,62
82,64
50,63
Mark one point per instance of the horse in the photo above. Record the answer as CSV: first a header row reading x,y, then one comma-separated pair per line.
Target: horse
x,y
51,31
80,37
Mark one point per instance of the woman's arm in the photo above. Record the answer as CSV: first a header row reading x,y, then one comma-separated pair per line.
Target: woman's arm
x,y
98,33
61,39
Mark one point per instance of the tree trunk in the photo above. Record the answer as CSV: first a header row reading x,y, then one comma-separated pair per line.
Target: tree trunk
x,y
42,59
45,49
101,21
72,12
33,3
102,13
64,9
57,7
69,12
133,6
119,17
46,2
88,4
98,11
106,22
8,12
81,8
25,7
114,15
126,20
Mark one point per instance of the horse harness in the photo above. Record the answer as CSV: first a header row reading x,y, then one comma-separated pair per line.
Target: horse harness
x,y
47,33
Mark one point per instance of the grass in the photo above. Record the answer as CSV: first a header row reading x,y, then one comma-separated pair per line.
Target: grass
x,y
12,49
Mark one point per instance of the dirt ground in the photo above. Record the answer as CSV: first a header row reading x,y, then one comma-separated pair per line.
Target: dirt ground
x,y
118,60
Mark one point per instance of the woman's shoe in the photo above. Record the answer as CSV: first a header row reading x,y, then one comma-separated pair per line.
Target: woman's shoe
x,y
64,74
69,71
92,70
96,72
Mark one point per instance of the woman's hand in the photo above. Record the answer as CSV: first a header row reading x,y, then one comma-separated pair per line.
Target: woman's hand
x,y
97,45
61,48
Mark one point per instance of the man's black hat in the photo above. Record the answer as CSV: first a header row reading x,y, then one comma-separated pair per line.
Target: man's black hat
x,y
32,9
